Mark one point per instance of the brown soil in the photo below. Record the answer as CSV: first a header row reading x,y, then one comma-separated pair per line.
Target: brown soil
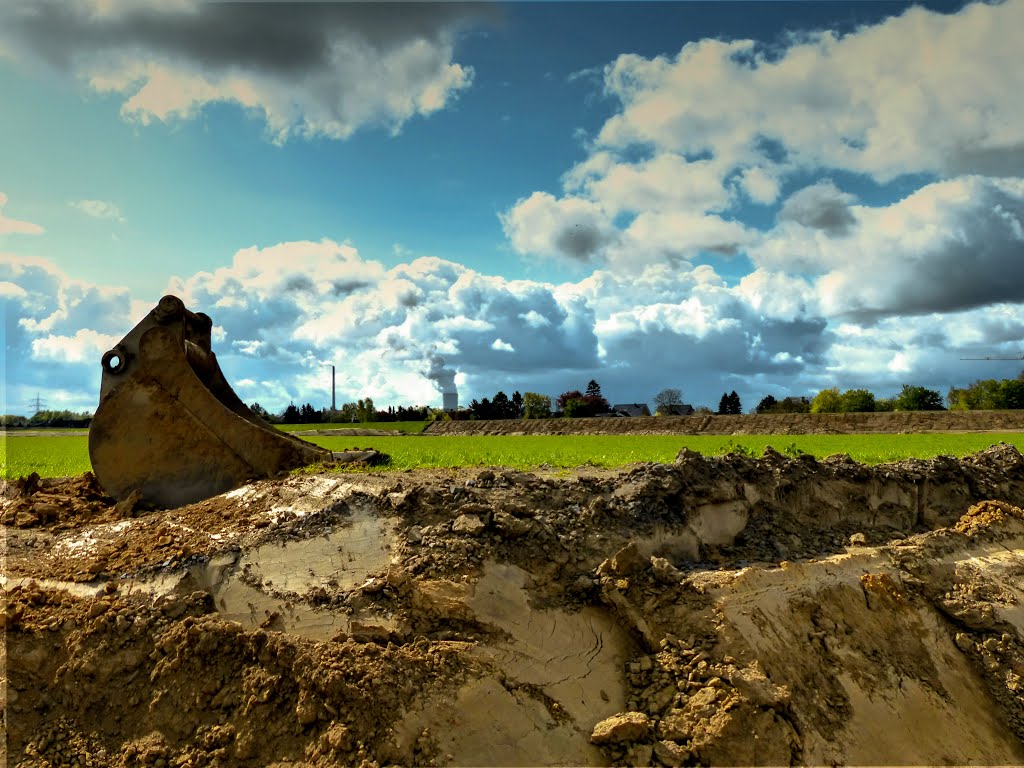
x,y
713,611
750,424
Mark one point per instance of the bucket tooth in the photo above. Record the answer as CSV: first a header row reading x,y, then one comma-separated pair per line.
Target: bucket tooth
x,y
168,423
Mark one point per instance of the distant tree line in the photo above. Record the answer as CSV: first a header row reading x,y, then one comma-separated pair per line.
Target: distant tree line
x,y
80,419
360,411
988,395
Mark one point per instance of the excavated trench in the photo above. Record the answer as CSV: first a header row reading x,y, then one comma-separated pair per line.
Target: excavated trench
x,y
711,611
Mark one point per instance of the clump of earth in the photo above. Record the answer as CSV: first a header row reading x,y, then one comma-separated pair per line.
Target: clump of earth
x,y
711,611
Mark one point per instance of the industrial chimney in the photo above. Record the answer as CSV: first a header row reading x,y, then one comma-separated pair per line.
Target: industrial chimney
x,y
450,401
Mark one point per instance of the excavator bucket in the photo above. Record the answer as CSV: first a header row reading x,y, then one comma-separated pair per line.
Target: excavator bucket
x,y
168,423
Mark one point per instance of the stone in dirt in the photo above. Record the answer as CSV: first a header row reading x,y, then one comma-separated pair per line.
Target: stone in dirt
x,y
469,524
622,728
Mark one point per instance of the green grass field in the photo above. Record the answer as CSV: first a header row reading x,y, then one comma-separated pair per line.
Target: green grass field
x,y
57,456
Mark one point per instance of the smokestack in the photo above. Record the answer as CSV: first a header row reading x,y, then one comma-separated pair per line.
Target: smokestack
x,y
450,401
334,392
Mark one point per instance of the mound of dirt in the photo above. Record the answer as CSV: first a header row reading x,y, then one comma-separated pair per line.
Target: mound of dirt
x,y
353,432
711,611
748,424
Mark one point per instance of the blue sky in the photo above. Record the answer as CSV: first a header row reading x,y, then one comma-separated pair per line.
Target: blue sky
x,y
761,196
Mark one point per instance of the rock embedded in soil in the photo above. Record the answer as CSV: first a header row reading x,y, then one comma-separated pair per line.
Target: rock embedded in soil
x,y
622,728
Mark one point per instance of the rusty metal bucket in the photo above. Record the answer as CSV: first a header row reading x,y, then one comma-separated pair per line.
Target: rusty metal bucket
x,y
170,426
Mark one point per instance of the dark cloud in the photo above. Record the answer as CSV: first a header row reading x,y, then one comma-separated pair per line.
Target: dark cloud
x,y
345,287
977,262
753,357
282,38
581,241
821,206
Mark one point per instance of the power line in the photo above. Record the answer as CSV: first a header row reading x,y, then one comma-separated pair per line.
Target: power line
x,y
37,403
993,358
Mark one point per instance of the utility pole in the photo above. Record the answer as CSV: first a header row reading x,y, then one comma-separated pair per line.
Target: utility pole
x,y
334,391
37,404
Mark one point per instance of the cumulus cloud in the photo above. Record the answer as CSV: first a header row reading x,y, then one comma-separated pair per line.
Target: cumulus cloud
x,y
55,331
84,346
820,206
636,332
919,92
408,331
9,226
949,246
319,69
699,136
571,227
99,209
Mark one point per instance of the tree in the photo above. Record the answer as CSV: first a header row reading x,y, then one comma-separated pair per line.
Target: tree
x,y
668,397
260,411
792,405
987,395
857,401
735,406
536,406
730,404
483,409
573,394
1012,393
595,404
827,401
291,414
501,407
768,402
309,415
517,405
575,408
918,399
593,388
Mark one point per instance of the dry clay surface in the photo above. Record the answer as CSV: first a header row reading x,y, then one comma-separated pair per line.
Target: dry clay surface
x,y
713,611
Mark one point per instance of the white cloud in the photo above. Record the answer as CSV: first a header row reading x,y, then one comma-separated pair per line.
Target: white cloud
x,y
666,182
99,209
293,306
951,245
9,226
321,70
760,185
84,346
570,227
921,92
822,206
635,332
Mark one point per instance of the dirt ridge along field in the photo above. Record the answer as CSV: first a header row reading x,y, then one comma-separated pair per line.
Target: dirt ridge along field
x,y
748,424
721,610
